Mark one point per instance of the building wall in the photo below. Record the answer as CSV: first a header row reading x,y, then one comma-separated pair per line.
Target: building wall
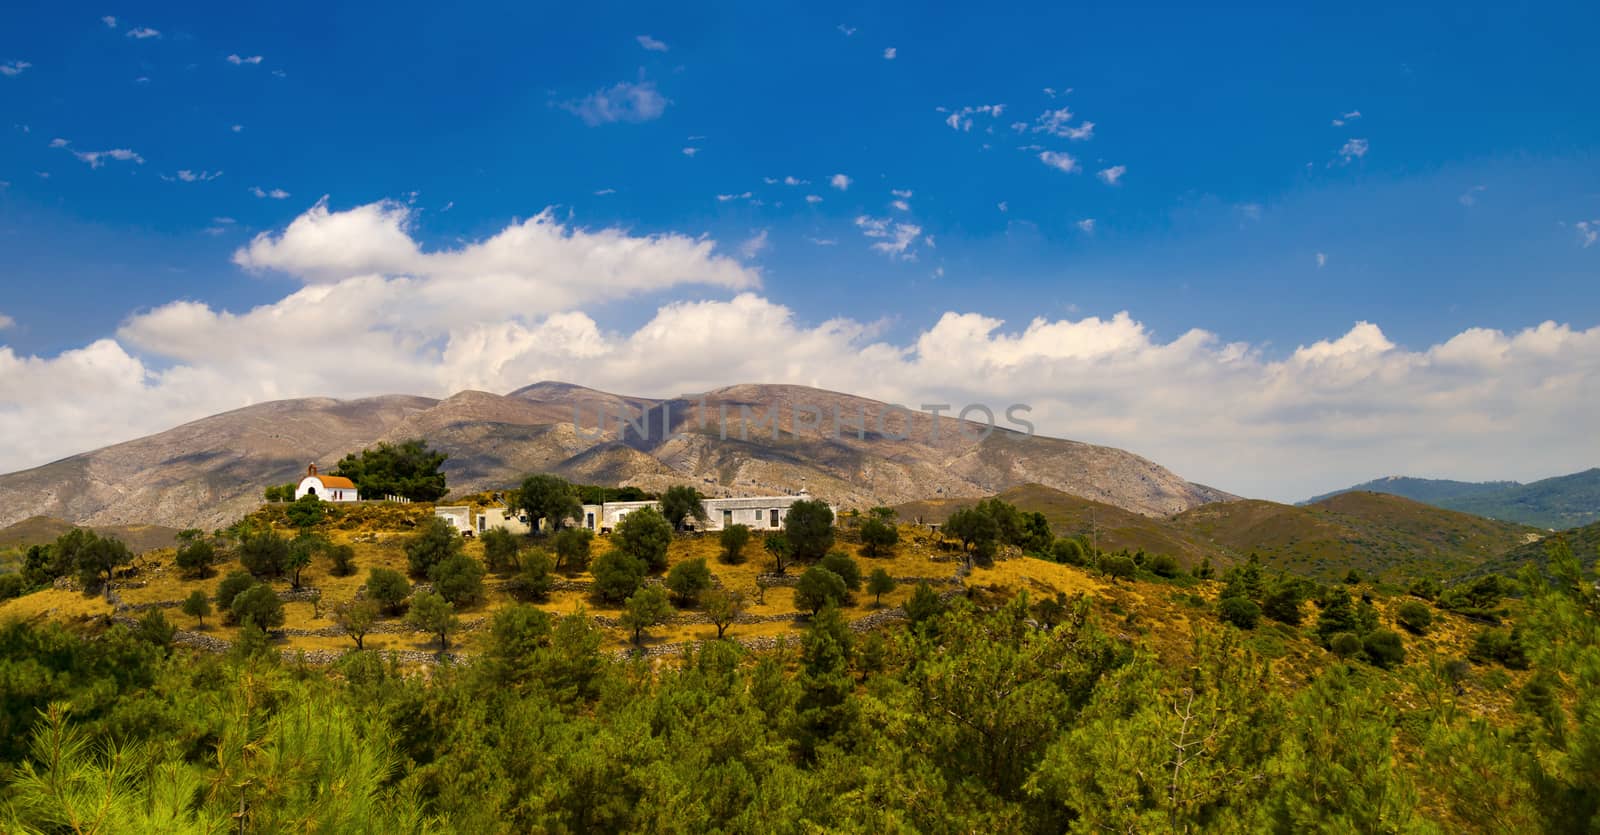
x,y
762,513
336,494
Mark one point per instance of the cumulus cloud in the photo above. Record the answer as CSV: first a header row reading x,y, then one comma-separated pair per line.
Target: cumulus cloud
x,y
604,191
847,30
1059,161
813,199
1347,117
110,21
6,322
1343,409
13,68
840,182
690,151
238,61
651,44
743,195
622,102
890,53
1087,225
143,32
1113,174
1469,197
1322,260
275,194
1588,232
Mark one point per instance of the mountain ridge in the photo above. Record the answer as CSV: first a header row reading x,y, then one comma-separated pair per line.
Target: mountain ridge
x,y
208,472
1555,503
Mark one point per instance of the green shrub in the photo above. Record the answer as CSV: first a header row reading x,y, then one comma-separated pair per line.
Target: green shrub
x,y
840,563
388,587
458,579
688,580
819,587
230,587
258,606
1414,617
1345,644
617,575
1239,611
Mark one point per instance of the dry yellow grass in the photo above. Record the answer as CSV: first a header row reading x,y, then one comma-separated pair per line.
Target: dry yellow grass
x,y
55,604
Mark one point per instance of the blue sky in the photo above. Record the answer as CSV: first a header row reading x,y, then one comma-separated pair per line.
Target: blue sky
x,y
1459,192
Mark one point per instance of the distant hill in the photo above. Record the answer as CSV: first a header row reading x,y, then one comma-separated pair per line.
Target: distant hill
x,y
40,530
1371,532
1432,491
211,472
1554,503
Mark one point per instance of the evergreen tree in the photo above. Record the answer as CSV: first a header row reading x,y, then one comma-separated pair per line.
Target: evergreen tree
x,y
644,534
646,608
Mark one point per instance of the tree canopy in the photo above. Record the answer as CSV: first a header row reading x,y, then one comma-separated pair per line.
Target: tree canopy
x,y
410,470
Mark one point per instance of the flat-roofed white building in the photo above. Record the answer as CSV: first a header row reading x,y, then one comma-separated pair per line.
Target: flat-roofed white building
x,y
762,513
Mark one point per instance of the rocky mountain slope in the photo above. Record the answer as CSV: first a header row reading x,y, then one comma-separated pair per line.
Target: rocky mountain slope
x,y
212,471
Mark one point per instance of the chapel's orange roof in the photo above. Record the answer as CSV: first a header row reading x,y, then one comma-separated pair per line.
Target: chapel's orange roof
x,y
335,481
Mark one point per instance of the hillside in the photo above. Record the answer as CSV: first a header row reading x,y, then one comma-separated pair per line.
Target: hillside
x,y
210,472
1367,531
1432,491
1371,532
1584,542
42,530
1111,528
1553,503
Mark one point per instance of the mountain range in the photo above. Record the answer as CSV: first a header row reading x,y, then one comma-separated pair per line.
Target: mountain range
x,y
212,471
1557,503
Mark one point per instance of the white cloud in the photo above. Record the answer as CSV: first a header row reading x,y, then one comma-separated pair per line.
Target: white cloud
x,y
536,257
1059,161
95,159
58,142
895,239
109,21
237,128
13,68
753,245
237,60
1470,196
1353,150
823,241
890,53
840,182
1112,175
795,181
1003,206
847,30
901,205
275,194
187,176
903,193
6,322
622,102
143,32
1059,123
1087,225
1343,409
1588,232
691,151
723,198
813,199
961,118
651,44
1347,117
604,191
1322,260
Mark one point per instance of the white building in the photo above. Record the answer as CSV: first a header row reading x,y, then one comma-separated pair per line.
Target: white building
x,y
762,513
463,519
329,488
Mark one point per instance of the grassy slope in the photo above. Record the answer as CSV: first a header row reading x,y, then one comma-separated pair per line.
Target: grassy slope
x,y
1584,542
1371,532
41,530
1115,529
